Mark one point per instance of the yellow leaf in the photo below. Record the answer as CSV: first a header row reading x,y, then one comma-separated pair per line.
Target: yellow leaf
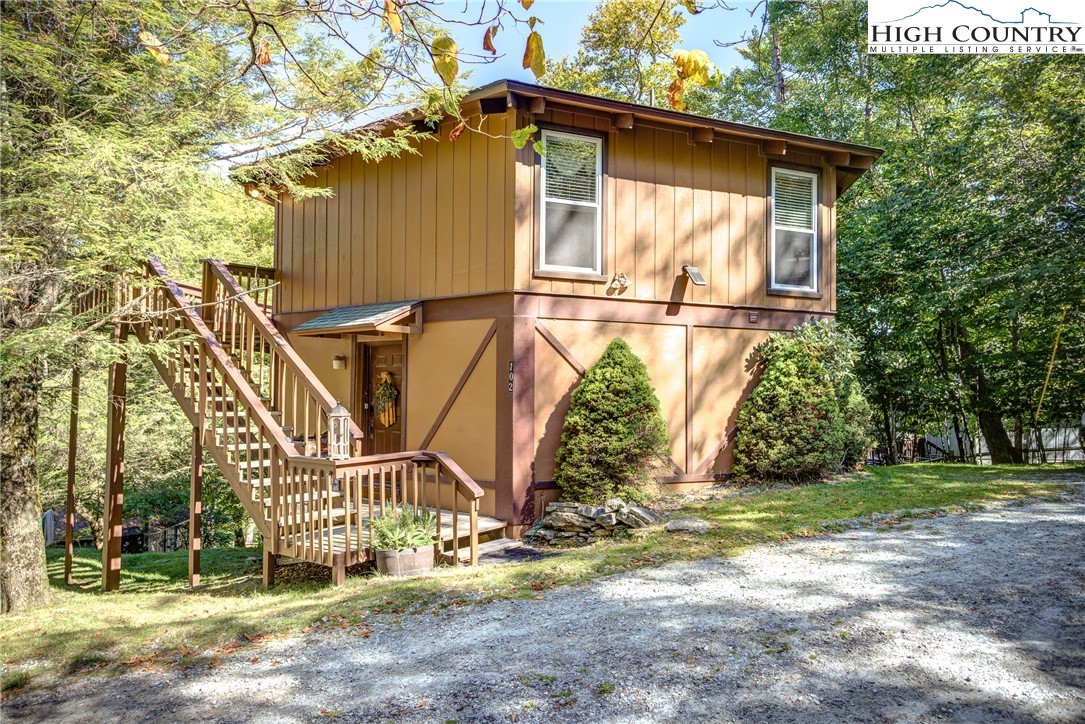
x,y
445,51
488,41
391,16
527,6
263,54
534,55
154,46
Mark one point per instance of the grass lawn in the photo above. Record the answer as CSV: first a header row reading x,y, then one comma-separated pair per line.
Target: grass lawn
x,y
155,621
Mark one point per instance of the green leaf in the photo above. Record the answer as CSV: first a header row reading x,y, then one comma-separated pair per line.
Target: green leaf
x,y
445,52
521,136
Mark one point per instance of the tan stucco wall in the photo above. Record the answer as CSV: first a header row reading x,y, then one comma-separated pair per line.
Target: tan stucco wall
x,y
720,371
435,362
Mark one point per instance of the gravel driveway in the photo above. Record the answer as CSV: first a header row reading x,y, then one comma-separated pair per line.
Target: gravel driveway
x,y
978,617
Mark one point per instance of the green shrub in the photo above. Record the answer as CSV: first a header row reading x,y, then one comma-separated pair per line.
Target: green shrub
x,y
402,529
807,416
614,431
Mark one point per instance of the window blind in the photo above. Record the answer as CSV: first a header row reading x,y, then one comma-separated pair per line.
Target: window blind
x,y
793,200
571,169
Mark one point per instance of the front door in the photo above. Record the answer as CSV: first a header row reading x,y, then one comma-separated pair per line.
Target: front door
x,y
382,396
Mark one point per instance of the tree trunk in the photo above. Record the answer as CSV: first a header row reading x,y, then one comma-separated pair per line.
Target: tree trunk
x,y
779,90
23,579
890,443
990,419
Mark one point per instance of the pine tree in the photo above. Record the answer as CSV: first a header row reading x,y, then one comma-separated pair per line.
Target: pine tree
x,y
614,430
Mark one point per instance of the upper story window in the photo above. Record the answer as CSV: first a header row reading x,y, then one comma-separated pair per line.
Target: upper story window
x,y
793,254
571,238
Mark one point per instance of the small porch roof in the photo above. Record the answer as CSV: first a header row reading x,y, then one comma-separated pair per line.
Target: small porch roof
x,y
380,317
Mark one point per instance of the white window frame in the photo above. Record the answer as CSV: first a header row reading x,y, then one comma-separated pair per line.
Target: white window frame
x,y
815,246
597,269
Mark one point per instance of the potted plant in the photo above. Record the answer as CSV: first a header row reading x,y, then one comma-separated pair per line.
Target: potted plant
x,y
403,540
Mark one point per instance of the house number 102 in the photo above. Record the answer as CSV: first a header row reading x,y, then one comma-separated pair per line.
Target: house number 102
x,y
510,376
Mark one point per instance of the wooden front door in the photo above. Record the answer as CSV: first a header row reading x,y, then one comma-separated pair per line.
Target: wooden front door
x,y
382,387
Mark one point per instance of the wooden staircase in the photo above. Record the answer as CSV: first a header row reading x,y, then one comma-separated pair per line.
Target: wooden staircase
x,y
262,414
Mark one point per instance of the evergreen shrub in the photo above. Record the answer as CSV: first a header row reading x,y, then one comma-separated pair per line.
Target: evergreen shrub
x,y
614,432
807,416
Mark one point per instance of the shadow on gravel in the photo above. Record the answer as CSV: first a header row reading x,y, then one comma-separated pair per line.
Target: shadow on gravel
x,y
969,619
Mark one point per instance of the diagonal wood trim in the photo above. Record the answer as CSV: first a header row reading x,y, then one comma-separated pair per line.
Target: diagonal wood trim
x,y
459,386
703,467
559,348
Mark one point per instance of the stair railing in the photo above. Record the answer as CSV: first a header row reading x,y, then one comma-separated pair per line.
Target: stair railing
x,y
272,364
308,507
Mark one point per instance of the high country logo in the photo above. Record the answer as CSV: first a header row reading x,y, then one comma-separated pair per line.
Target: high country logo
x,y
975,26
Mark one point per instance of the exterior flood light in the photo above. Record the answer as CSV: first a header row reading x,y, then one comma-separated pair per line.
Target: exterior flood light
x,y
694,275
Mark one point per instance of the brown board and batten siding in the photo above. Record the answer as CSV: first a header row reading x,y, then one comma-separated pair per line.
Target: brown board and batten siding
x,y
670,201
430,224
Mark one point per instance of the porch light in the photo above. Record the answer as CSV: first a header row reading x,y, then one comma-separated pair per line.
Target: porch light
x,y
338,432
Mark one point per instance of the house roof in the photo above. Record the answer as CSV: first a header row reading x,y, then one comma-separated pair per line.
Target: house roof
x,y
667,115
361,318
851,160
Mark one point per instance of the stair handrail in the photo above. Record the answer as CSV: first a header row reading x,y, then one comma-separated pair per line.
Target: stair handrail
x,y
284,349
240,384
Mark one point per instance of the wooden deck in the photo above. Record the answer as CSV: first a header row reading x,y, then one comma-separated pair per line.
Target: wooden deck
x,y
486,524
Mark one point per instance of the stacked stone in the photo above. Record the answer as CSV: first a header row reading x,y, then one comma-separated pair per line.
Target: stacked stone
x,y
580,523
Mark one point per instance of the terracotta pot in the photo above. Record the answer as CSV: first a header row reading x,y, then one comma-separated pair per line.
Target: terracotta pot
x,y
410,562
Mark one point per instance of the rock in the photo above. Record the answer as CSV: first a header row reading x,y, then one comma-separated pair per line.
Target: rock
x,y
607,519
630,519
552,507
545,534
564,520
602,532
644,514
589,511
614,505
689,525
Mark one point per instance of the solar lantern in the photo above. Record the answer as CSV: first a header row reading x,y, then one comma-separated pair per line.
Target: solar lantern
x,y
338,432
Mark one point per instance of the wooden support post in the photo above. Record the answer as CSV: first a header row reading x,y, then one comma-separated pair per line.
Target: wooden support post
x,y
195,509
515,501
269,565
69,506
339,569
113,511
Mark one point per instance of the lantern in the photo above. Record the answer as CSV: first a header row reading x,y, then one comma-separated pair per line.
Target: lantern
x,y
338,432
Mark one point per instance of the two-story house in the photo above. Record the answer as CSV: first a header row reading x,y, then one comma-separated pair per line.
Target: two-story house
x,y
470,285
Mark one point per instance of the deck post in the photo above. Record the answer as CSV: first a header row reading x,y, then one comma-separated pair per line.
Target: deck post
x,y
195,509
269,564
113,513
69,505
339,569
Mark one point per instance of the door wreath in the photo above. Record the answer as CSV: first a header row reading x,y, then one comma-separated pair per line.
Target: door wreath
x,y
384,398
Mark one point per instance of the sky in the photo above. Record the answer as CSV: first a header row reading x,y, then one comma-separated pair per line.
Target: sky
x,y
560,26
